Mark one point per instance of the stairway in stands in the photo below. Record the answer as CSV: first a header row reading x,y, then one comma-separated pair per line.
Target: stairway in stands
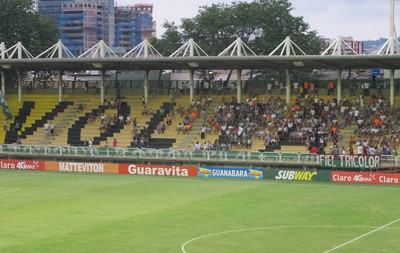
x,y
74,132
21,117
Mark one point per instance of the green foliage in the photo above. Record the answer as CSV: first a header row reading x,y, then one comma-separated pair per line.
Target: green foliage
x,y
261,24
170,41
20,22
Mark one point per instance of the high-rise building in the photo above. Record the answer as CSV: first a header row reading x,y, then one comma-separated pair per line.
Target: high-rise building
x,y
85,22
51,8
133,24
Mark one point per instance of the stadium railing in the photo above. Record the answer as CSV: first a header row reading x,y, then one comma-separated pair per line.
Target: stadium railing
x,y
238,157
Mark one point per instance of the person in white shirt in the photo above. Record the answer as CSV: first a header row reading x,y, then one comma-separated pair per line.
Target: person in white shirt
x,y
197,146
52,128
46,128
366,88
359,150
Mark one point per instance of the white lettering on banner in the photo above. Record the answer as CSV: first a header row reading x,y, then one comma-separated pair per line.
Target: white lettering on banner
x,y
229,173
6,165
350,161
20,165
295,175
81,167
158,171
340,178
388,180
367,179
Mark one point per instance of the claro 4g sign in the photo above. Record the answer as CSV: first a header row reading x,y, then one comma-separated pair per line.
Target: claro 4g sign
x,y
22,165
365,178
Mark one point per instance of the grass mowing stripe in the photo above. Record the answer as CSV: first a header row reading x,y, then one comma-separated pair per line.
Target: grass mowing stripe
x,y
361,236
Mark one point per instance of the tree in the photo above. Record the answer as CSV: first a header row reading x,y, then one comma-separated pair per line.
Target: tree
x,y
262,24
19,22
170,41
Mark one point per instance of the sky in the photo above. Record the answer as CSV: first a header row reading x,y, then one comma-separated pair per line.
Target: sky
x,y
361,19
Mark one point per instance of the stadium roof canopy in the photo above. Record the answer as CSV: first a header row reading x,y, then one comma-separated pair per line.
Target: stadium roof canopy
x,y
145,57
207,62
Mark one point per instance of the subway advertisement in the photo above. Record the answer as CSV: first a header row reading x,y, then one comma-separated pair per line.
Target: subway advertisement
x,y
218,172
297,175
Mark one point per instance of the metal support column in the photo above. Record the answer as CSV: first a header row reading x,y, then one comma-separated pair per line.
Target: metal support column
x,y
60,84
146,86
102,87
339,85
287,86
239,85
3,83
19,74
392,88
191,85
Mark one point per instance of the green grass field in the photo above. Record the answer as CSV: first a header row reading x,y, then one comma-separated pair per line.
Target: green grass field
x,y
63,212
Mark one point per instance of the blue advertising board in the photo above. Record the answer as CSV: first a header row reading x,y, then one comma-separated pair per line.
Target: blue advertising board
x,y
217,172
376,72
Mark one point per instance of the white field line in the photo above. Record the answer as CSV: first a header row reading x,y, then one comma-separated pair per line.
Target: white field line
x,y
273,227
361,236
7,190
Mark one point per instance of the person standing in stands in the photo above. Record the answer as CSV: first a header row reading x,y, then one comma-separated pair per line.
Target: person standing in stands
x,y
331,86
305,87
5,125
52,128
46,128
366,89
114,143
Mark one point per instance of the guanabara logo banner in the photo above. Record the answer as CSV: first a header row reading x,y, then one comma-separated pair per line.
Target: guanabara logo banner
x,y
211,172
158,170
22,164
365,178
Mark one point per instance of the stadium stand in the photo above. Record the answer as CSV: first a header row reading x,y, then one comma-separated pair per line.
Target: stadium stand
x,y
261,123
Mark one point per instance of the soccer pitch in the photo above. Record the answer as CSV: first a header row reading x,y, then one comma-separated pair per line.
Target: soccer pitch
x,y
65,212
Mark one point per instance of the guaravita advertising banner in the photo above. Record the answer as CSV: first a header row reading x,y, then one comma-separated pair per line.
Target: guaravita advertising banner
x,y
158,170
219,172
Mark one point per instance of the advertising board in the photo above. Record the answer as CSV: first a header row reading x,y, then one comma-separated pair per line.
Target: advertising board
x,y
158,170
216,172
365,178
297,175
80,167
21,164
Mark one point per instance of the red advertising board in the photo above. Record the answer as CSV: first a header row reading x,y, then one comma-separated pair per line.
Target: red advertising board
x,y
158,170
21,164
365,178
